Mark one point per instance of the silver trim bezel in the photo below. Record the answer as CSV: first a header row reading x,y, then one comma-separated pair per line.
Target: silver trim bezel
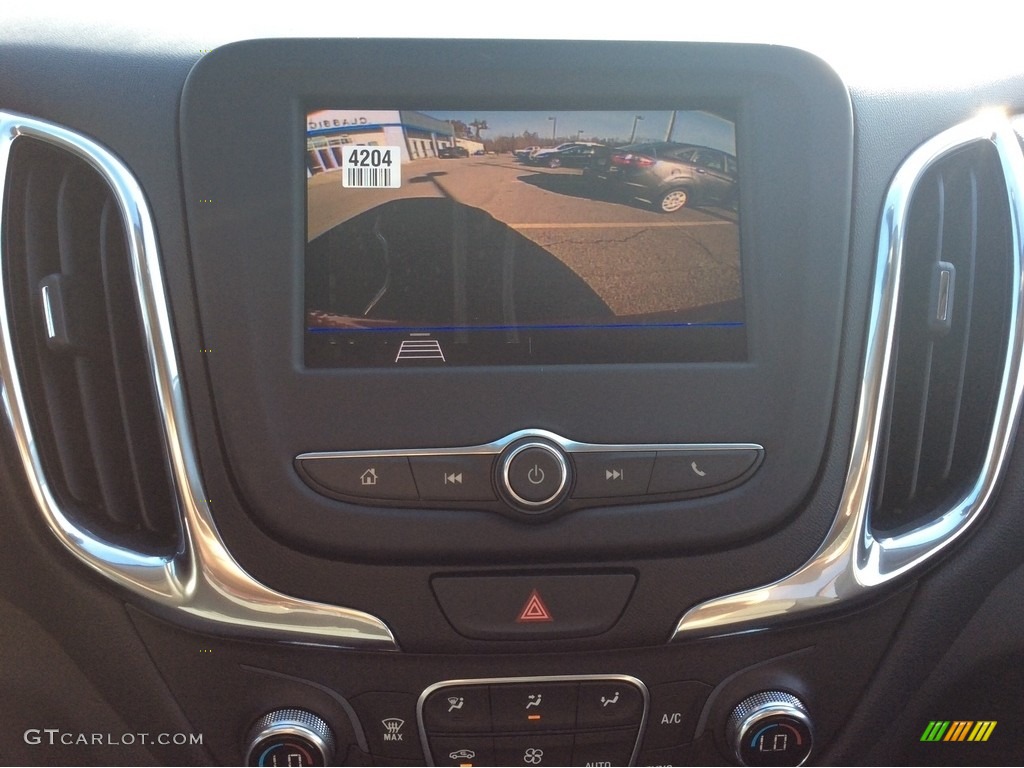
x,y
852,561
538,438
497,446
424,742
201,581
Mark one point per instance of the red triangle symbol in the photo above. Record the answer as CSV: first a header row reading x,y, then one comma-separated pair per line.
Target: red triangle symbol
x,y
534,610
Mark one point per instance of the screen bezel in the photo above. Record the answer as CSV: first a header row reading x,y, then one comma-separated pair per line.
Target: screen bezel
x,y
247,236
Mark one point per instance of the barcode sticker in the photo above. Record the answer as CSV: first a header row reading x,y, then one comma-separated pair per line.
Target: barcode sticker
x,y
371,167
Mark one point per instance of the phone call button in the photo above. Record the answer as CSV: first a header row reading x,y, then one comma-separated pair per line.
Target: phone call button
x,y
692,470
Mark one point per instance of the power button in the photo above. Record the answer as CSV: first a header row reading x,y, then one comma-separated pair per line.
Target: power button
x,y
534,476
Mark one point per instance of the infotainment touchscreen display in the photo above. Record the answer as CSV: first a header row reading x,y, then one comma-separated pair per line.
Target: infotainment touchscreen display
x,y
468,238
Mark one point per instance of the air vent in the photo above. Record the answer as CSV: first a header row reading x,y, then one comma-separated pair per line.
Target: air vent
x,y
80,349
950,341
943,378
86,356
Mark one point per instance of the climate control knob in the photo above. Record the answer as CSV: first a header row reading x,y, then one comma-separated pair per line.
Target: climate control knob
x,y
290,737
771,728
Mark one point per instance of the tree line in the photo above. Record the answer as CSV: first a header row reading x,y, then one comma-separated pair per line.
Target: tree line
x,y
520,141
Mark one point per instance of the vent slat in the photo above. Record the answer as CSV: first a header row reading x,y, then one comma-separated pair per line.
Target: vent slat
x,y
89,395
967,310
944,377
152,493
78,212
55,375
922,423
949,343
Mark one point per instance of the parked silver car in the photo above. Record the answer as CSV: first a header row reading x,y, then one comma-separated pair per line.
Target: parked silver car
x,y
671,175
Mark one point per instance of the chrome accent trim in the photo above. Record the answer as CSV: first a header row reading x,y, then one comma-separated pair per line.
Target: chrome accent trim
x,y
942,308
851,561
201,580
51,329
628,679
496,447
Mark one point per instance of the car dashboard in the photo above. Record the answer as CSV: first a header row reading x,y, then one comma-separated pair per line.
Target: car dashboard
x,y
506,402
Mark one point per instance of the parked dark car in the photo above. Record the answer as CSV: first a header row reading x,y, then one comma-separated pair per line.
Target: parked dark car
x,y
671,175
450,152
571,155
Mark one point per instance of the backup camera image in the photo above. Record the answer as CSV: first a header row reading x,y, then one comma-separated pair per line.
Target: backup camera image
x,y
486,238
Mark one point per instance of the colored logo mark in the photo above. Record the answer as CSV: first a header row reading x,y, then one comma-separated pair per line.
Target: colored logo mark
x,y
958,730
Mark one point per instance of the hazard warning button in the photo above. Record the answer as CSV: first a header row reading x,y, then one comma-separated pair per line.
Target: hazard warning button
x,y
534,610
526,607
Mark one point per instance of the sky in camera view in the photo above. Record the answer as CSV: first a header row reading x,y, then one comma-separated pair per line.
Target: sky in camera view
x,y
690,127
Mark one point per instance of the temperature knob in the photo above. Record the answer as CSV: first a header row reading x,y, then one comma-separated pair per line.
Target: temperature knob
x,y
771,728
292,737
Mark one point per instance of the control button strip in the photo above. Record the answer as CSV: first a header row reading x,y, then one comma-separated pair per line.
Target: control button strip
x,y
570,720
465,474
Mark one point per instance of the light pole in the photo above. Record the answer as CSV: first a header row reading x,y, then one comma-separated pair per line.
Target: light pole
x,y
632,136
671,126
554,127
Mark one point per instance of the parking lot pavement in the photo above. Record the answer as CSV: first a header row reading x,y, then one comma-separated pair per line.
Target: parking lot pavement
x,y
636,260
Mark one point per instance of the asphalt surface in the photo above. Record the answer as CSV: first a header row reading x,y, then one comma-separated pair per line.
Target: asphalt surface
x,y
636,260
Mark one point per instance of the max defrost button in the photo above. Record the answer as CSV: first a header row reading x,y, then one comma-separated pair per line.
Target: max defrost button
x,y
376,477
389,721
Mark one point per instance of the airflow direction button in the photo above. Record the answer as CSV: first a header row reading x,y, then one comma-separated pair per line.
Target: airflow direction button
x,y
458,709
609,703
534,707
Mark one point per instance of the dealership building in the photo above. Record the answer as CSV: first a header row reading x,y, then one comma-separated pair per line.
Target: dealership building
x,y
418,135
